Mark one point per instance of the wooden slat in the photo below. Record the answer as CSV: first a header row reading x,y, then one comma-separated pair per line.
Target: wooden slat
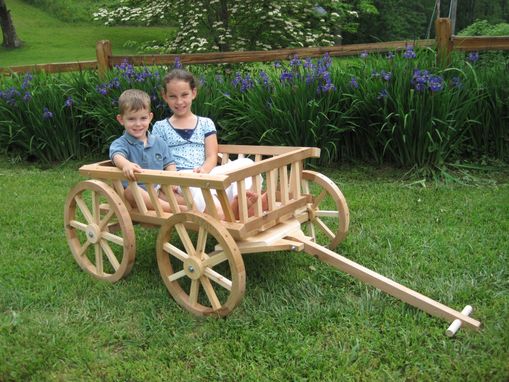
x,y
225,205
172,200
271,189
154,198
295,181
272,55
283,184
257,189
480,43
135,190
241,188
52,67
210,205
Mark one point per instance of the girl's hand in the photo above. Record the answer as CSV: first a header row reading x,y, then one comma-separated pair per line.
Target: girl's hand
x,y
198,170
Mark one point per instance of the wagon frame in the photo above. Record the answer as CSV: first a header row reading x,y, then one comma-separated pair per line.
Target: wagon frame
x,y
199,256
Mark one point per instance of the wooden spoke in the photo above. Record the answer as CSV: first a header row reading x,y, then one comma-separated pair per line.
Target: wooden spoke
x,y
113,238
80,226
327,214
106,219
178,253
190,283
212,261
221,280
319,199
193,293
329,217
324,228
202,240
95,207
109,254
186,240
83,249
211,294
90,240
84,209
177,275
98,260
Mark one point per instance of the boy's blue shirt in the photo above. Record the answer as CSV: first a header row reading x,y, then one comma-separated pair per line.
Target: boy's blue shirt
x,y
154,156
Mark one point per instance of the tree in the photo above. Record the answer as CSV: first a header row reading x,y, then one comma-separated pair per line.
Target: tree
x,y
225,25
10,38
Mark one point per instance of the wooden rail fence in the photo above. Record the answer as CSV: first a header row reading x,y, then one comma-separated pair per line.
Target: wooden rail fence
x,y
444,41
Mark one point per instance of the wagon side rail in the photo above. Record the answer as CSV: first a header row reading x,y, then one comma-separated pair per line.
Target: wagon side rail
x,y
281,169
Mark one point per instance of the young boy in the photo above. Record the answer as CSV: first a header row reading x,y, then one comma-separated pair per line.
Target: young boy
x,y
137,149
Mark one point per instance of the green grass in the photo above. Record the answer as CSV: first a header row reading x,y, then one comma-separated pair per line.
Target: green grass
x,y
299,320
47,39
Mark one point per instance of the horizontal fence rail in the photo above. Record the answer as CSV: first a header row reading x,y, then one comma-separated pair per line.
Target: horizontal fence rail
x,y
444,42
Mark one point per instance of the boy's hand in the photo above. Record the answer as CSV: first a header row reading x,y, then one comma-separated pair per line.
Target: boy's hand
x,y
130,169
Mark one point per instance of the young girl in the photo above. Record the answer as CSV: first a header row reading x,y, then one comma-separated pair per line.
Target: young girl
x,y
192,139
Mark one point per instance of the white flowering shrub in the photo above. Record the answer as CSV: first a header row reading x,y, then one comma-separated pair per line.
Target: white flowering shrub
x,y
233,25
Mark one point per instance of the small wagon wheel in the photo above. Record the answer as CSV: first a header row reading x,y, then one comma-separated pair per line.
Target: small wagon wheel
x,y
200,264
99,230
328,213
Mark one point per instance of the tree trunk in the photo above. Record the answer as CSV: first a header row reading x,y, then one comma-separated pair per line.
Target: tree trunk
x,y
11,40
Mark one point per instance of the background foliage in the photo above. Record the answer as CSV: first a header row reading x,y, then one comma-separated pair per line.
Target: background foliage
x,y
396,108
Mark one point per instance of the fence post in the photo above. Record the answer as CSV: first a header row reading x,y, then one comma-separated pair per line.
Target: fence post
x,y
443,37
103,53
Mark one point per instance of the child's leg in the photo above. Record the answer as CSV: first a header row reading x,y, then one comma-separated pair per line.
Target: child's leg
x,y
146,200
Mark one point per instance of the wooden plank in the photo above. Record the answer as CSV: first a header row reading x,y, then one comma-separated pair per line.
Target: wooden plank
x,y
257,189
225,205
270,163
154,198
242,201
210,205
100,171
283,184
271,189
261,56
52,67
272,215
172,199
384,284
295,179
480,43
140,203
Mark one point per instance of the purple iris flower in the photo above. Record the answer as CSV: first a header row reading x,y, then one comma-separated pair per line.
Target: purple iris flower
x,y
364,54
46,114
473,57
69,102
354,83
409,52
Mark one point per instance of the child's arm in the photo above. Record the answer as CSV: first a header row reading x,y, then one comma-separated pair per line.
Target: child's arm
x,y
128,168
211,148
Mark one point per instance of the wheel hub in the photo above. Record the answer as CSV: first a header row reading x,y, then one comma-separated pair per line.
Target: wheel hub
x,y
193,268
93,233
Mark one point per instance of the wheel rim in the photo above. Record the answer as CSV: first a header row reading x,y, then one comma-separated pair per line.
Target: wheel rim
x,y
200,264
329,217
99,231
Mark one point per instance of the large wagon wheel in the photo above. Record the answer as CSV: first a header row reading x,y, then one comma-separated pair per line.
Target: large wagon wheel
x,y
200,264
328,213
99,230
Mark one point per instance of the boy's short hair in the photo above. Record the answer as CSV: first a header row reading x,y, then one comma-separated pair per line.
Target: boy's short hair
x,y
133,100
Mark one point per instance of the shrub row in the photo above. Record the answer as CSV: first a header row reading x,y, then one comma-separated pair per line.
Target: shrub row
x,y
397,108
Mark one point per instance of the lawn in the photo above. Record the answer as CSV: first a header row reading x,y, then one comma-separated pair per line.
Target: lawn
x,y
47,39
300,320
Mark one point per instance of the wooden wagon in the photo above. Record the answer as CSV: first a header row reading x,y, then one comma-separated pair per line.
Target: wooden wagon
x,y
198,255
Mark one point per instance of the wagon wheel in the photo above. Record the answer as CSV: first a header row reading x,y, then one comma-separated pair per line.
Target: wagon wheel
x,y
99,230
328,213
200,264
